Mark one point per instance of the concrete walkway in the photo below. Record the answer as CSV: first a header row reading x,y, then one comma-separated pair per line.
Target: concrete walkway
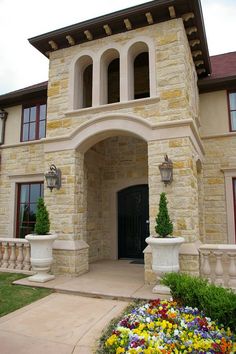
x,y
66,322
57,324
120,280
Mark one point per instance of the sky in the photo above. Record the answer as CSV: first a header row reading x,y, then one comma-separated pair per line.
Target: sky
x,y
21,65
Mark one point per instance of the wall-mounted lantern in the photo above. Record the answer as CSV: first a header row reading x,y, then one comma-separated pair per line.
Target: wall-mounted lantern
x,y
3,118
166,170
53,177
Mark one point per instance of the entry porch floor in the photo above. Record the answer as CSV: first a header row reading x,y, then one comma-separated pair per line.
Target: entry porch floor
x,y
120,280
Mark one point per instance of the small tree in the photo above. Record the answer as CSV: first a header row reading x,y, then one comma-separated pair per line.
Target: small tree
x,y
164,226
42,225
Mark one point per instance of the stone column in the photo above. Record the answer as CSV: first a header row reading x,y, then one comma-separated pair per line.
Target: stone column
x,y
182,196
124,78
67,212
96,90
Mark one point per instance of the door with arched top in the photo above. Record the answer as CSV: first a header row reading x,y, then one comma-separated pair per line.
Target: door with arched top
x,y
133,226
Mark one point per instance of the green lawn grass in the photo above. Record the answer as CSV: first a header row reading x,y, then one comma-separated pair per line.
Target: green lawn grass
x,y
13,297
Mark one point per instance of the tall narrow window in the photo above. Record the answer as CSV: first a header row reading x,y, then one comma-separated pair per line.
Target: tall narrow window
x,y
83,82
114,81
232,110
28,194
87,86
33,122
141,76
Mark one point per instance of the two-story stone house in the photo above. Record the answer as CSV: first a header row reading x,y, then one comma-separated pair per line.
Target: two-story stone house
x,y
124,90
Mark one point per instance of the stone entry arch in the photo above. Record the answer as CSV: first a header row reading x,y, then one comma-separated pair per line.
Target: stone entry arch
x,y
110,165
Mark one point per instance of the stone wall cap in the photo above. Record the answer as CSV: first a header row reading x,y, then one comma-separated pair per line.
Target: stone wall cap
x,y
219,247
70,245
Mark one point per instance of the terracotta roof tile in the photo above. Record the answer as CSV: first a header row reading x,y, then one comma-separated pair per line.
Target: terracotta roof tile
x,y
223,65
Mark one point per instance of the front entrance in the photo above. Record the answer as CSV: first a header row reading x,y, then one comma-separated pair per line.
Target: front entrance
x,y
133,214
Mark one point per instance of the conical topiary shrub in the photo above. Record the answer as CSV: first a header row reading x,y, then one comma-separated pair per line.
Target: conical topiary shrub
x,y
164,226
42,225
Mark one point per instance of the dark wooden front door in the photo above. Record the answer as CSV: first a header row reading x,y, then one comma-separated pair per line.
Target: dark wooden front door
x,y
132,221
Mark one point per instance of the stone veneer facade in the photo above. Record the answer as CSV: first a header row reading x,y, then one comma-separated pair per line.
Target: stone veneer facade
x,y
105,148
94,171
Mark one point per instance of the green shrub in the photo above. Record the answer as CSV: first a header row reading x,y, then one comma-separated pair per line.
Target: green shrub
x,y
42,225
216,302
164,226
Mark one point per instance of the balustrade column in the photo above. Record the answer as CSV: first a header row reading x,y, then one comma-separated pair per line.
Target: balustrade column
x,y
232,269
0,254
5,254
219,269
206,268
19,260
27,265
12,260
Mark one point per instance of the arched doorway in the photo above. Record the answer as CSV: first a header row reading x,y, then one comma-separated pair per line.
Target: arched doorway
x,y
113,165
133,215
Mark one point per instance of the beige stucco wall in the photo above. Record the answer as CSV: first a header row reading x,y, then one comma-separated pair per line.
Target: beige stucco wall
x,y
13,125
214,113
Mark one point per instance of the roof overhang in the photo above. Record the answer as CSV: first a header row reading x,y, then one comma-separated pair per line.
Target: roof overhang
x,y
132,18
26,94
216,84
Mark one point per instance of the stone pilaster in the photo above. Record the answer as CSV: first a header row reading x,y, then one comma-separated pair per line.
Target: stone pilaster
x,y
67,213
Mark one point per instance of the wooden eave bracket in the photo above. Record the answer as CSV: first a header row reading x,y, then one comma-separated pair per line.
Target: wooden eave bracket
x,y
53,45
190,30
186,17
172,12
108,30
88,35
194,42
149,18
198,63
128,24
70,40
196,53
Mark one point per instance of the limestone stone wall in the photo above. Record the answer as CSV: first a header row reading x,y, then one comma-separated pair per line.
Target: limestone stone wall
x,y
18,164
174,78
83,212
182,194
220,155
93,164
67,206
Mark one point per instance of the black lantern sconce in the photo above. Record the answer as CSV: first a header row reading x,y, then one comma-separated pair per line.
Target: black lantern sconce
x,y
53,177
166,170
3,118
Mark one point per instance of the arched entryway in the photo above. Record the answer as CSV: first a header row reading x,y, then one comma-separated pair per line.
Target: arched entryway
x,y
115,178
133,221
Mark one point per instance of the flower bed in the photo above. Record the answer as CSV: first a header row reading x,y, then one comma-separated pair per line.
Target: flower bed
x,y
164,327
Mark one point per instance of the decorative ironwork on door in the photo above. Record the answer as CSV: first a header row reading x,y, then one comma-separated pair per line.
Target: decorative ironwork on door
x,y
133,227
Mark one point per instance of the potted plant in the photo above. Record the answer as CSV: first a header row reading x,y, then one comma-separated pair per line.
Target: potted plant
x,y
165,247
41,245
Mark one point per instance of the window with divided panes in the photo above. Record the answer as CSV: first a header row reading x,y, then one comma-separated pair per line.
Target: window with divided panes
x,y
33,122
28,194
